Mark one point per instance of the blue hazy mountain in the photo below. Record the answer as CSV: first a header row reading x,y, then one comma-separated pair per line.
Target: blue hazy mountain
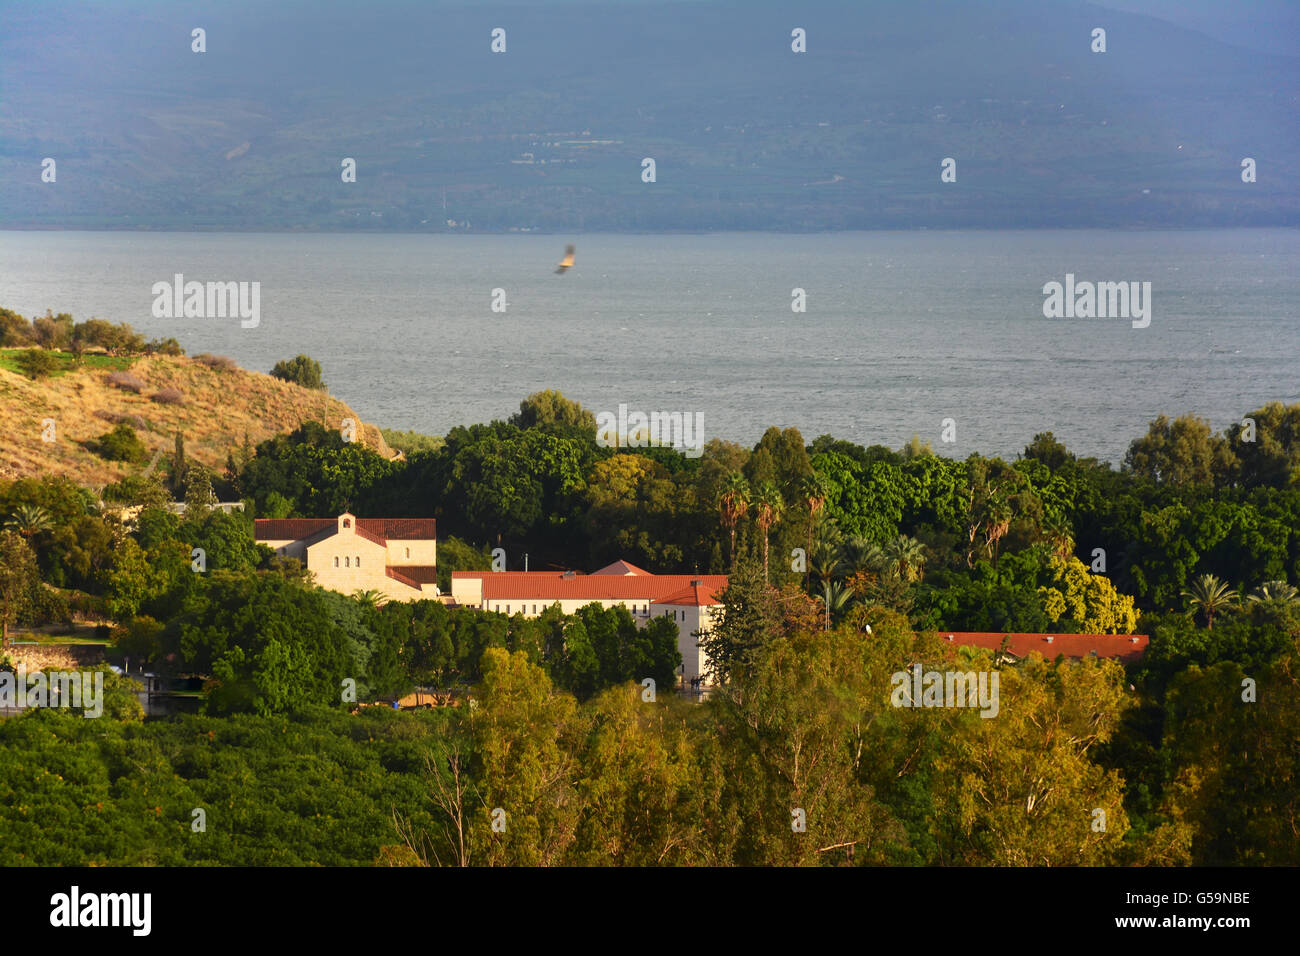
x,y
551,134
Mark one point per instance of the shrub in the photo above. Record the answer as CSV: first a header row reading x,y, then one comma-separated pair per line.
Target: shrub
x,y
47,606
169,396
37,363
222,363
121,444
303,370
126,381
164,347
118,418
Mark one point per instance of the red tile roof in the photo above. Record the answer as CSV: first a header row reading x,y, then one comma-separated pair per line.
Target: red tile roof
x,y
559,586
378,530
620,567
1123,647
424,573
413,575
693,595
370,535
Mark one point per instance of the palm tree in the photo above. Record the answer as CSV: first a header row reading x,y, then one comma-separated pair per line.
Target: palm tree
x,y
824,561
1280,602
1276,594
768,505
1059,537
906,558
860,554
29,521
1209,595
836,597
733,504
814,490
999,523
370,599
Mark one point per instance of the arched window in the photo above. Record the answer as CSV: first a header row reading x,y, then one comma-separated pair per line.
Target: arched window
x,y
336,560
347,562
347,522
358,560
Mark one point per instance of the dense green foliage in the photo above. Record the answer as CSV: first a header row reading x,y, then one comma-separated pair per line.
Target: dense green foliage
x,y
845,560
302,370
523,774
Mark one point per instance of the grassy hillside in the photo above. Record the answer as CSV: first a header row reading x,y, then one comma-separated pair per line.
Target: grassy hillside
x,y
219,407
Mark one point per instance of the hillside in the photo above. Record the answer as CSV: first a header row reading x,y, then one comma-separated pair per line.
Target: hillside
x,y
551,134
220,407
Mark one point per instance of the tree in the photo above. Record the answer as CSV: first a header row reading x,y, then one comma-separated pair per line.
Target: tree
x,y
1049,451
1272,459
792,734
1209,595
15,330
199,496
836,597
1021,789
1279,604
634,782
37,364
905,557
272,645
180,469
997,495
53,331
144,490
551,411
1234,767
733,504
768,506
1085,602
1183,452
915,448
814,489
522,764
302,370
121,444
29,520
18,579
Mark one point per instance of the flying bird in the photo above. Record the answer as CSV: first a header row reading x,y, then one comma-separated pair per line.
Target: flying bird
x,y
566,261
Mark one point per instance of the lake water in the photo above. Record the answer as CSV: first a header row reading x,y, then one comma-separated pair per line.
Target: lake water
x,y
902,329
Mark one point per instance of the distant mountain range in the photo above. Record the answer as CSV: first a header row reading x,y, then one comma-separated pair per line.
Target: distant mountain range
x,y
551,134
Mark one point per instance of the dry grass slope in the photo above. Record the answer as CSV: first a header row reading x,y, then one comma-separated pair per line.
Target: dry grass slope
x,y
219,407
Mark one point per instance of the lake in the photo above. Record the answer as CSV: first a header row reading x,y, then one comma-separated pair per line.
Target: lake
x,y
901,330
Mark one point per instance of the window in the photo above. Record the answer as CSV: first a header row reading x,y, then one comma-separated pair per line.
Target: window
x,y
347,522
358,560
534,608
347,562
408,552
336,560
